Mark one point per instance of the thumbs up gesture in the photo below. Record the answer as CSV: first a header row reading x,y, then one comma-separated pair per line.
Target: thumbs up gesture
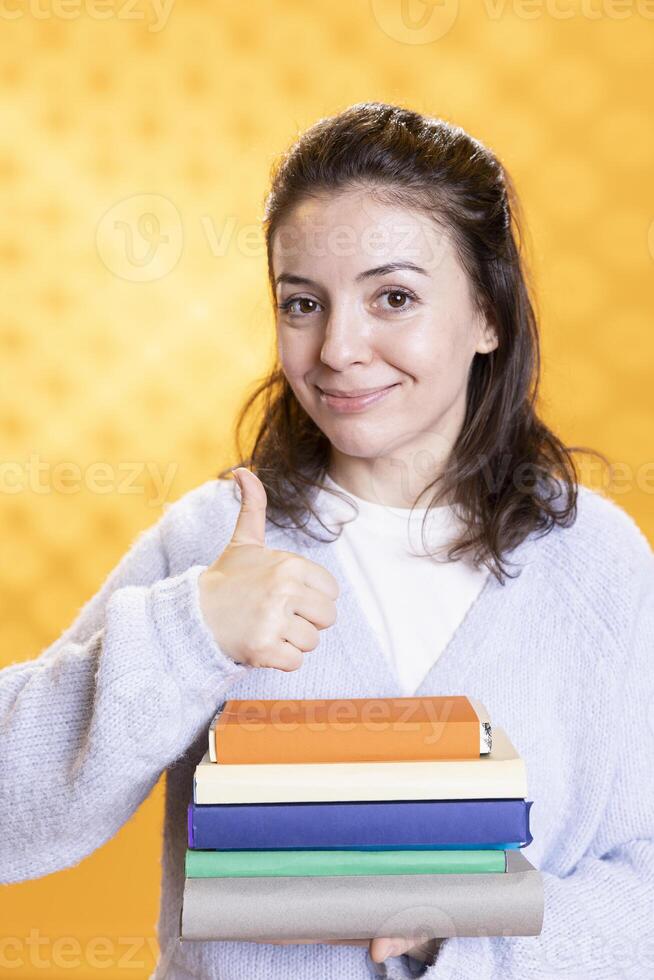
x,y
263,606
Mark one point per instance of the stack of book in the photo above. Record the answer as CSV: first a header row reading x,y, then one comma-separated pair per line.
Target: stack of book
x,y
355,818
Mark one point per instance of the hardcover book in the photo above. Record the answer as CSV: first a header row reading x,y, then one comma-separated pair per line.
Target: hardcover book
x,y
365,906
499,774
393,824
349,730
257,864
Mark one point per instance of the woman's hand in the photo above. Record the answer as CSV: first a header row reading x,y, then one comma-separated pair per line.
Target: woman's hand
x,y
264,607
380,948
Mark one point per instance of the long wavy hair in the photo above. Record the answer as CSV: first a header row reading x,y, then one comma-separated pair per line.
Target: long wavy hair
x,y
507,473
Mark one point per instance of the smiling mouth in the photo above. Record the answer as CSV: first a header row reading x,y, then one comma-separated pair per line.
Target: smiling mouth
x,y
355,403
354,394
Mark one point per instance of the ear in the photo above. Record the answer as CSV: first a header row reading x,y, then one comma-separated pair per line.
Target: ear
x,y
487,336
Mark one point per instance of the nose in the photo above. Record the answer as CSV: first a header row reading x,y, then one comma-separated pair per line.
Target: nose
x,y
346,340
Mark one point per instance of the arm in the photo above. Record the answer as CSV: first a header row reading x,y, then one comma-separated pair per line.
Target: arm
x,y
88,727
598,919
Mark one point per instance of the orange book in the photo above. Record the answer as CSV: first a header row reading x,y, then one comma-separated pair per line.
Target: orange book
x,y
349,730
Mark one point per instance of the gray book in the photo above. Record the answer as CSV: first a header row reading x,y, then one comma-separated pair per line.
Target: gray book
x,y
423,906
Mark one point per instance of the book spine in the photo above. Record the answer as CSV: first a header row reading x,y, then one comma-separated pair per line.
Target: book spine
x,y
355,742
308,784
358,907
398,824
212,733
279,863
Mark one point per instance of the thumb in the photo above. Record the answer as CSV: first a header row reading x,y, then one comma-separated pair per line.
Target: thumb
x,y
250,525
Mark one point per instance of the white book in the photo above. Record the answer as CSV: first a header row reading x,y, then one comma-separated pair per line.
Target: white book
x,y
500,774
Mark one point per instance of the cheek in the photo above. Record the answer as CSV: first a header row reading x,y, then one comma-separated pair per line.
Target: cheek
x,y
419,354
292,355
289,353
433,354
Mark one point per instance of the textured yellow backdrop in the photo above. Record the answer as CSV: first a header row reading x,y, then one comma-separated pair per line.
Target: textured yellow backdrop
x,y
135,144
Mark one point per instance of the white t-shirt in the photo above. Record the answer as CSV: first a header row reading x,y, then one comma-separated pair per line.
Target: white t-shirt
x,y
413,603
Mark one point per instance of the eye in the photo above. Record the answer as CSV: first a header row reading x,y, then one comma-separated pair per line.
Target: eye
x,y
286,306
397,302
396,294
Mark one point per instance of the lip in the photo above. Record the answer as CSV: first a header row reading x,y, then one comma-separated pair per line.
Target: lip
x,y
352,394
355,403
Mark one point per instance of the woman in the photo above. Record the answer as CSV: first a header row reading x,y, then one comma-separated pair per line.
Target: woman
x,y
394,266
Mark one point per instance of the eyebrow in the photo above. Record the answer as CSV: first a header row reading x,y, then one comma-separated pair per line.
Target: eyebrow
x,y
380,270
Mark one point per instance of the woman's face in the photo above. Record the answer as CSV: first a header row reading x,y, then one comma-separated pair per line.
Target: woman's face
x,y
347,323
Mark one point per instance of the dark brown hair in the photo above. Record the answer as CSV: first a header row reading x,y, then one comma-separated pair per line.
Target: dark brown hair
x,y
508,473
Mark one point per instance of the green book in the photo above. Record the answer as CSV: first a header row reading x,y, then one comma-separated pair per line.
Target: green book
x,y
277,863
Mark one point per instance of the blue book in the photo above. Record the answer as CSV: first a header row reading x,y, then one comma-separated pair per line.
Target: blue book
x,y
375,825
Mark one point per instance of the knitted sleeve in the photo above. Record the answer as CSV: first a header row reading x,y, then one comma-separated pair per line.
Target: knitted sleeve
x,y
598,919
87,728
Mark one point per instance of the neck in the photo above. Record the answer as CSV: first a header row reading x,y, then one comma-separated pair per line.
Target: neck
x,y
384,482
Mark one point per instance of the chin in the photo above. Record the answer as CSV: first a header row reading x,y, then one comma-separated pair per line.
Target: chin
x,y
359,444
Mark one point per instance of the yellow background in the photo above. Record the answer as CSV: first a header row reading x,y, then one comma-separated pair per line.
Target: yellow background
x,y
134,157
